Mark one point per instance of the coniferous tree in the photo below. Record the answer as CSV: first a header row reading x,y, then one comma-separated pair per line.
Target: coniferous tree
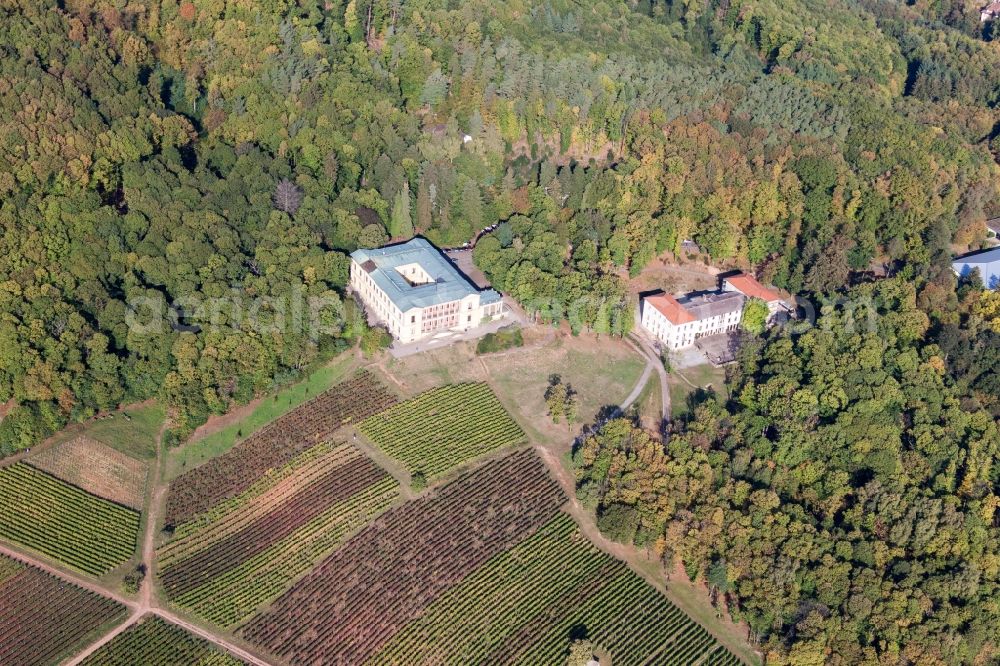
x,y
400,223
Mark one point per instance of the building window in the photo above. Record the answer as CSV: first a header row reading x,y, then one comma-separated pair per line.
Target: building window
x,y
413,319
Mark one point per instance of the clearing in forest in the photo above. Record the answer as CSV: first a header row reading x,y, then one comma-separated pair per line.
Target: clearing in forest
x,y
52,517
274,445
44,619
96,468
155,642
486,569
442,428
245,551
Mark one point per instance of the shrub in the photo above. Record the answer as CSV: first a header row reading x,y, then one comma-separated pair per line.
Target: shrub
x,y
133,580
619,522
499,341
374,340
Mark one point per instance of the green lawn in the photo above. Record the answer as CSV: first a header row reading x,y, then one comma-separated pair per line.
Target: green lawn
x,y
649,402
601,371
195,452
703,375
131,431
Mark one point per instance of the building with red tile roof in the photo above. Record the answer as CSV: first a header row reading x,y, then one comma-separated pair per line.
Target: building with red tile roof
x,y
678,323
750,287
668,306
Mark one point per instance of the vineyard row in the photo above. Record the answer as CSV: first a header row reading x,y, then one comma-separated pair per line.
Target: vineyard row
x,y
274,445
59,520
43,618
384,577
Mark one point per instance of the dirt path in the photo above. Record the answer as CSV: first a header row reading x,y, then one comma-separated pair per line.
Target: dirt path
x,y
217,422
644,347
105,639
157,495
725,632
686,380
639,386
395,469
173,619
582,517
147,602
209,636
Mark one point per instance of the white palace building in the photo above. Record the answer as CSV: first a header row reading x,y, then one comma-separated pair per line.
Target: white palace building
x,y
416,292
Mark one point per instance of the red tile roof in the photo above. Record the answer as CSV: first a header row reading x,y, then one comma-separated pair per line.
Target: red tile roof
x,y
668,306
749,287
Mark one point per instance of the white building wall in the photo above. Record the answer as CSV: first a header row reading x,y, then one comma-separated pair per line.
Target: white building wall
x,y
679,336
418,323
773,307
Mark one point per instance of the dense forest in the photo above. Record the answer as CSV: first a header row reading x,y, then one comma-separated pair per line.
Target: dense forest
x,y
166,154
842,502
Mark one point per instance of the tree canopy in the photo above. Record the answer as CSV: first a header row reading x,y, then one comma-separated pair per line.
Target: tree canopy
x,y
843,498
159,156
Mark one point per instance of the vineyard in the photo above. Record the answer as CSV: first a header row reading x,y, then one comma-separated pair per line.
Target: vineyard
x,y
59,520
42,618
96,468
624,615
387,575
155,642
521,606
245,552
274,445
486,570
442,428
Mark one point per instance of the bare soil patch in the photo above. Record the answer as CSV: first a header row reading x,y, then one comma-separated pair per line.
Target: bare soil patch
x,y
217,422
674,278
96,468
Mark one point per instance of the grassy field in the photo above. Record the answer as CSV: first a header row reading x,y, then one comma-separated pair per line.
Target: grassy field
x,y
266,410
649,403
131,431
602,372
703,376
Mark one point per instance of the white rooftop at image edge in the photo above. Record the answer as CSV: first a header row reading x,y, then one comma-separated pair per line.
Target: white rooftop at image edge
x,y
447,283
986,262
